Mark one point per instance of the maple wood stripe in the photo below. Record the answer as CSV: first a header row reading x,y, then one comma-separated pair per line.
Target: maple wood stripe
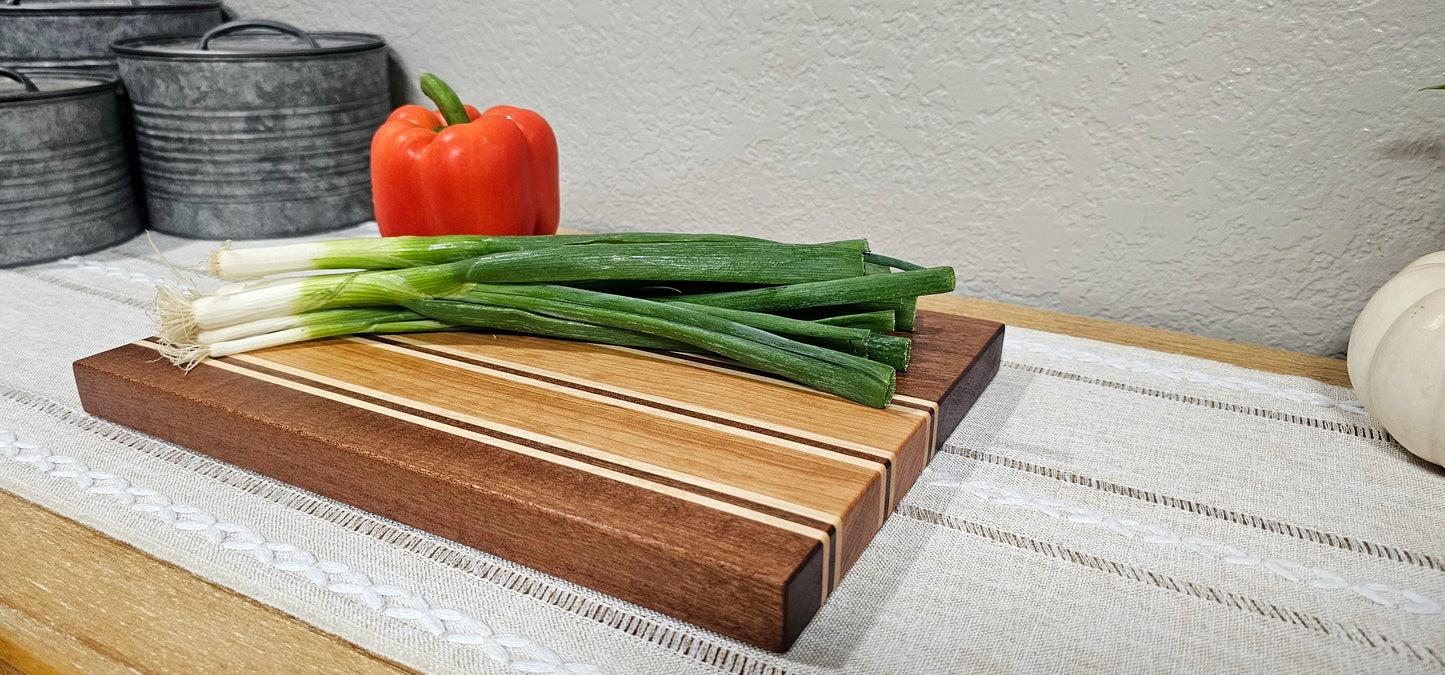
x,y
731,368
715,417
870,463
823,527
907,404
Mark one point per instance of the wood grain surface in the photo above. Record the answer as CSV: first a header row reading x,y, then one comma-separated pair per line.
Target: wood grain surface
x,y
1327,370
203,610
75,601
718,495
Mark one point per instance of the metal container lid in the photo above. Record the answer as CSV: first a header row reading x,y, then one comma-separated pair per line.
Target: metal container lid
x,y
16,86
72,7
263,40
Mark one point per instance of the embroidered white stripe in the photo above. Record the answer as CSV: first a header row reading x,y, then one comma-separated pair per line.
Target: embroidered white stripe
x,y
1292,570
1194,376
520,652
113,270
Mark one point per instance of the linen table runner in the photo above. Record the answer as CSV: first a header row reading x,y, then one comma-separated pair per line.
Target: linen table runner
x,y
1102,507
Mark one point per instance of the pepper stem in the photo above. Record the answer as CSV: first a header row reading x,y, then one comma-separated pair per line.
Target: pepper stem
x,y
447,101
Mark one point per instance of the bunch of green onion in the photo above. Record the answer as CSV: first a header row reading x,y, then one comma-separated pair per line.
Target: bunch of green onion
x,y
819,314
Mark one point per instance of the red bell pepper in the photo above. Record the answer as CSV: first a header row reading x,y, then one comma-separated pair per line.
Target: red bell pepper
x,y
457,171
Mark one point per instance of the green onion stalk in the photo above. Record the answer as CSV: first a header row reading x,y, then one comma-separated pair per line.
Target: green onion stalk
x,y
726,261
880,321
813,313
560,311
847,375
842,291
402,252
277,331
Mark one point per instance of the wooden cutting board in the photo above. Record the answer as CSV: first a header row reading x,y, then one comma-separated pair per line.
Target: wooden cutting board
x,y
723,497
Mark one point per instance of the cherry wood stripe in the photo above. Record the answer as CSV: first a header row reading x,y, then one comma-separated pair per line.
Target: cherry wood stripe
x,y
737,393
448,420
901,402
759,503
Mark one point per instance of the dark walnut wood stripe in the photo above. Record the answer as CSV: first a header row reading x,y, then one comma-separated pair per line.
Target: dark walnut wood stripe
x,y
723,497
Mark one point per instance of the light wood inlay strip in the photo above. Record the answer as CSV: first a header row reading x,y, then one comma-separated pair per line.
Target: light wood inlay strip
x,y
662,400
722,368
932,418
567,391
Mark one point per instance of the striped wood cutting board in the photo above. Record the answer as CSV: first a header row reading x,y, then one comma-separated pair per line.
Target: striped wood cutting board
x,y
714,494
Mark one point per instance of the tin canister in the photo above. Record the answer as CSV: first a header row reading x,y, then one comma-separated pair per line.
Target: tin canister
x,y
53,34
256,129
65,183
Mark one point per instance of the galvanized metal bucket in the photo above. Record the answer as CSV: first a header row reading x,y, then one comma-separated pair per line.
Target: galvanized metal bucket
x,y
65,184
50,34
246,135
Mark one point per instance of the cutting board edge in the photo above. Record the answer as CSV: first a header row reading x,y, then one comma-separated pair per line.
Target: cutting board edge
x,y
966,391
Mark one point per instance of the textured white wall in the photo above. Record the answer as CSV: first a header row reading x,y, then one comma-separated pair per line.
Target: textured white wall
x,y
1246,170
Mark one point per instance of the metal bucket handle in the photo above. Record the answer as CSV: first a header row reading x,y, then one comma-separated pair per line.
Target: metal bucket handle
x,y
19,77
234,26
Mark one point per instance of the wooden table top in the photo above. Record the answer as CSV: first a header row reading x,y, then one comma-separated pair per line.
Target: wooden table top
x,y
142,614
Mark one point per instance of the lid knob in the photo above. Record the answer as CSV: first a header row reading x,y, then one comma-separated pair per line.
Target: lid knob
x,y
227,28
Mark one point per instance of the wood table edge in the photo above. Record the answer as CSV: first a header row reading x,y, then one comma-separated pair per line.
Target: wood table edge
x,y
23,648
192,617
1320,368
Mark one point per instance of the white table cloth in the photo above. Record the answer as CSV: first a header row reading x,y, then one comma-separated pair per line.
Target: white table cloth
x,y
1101,508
